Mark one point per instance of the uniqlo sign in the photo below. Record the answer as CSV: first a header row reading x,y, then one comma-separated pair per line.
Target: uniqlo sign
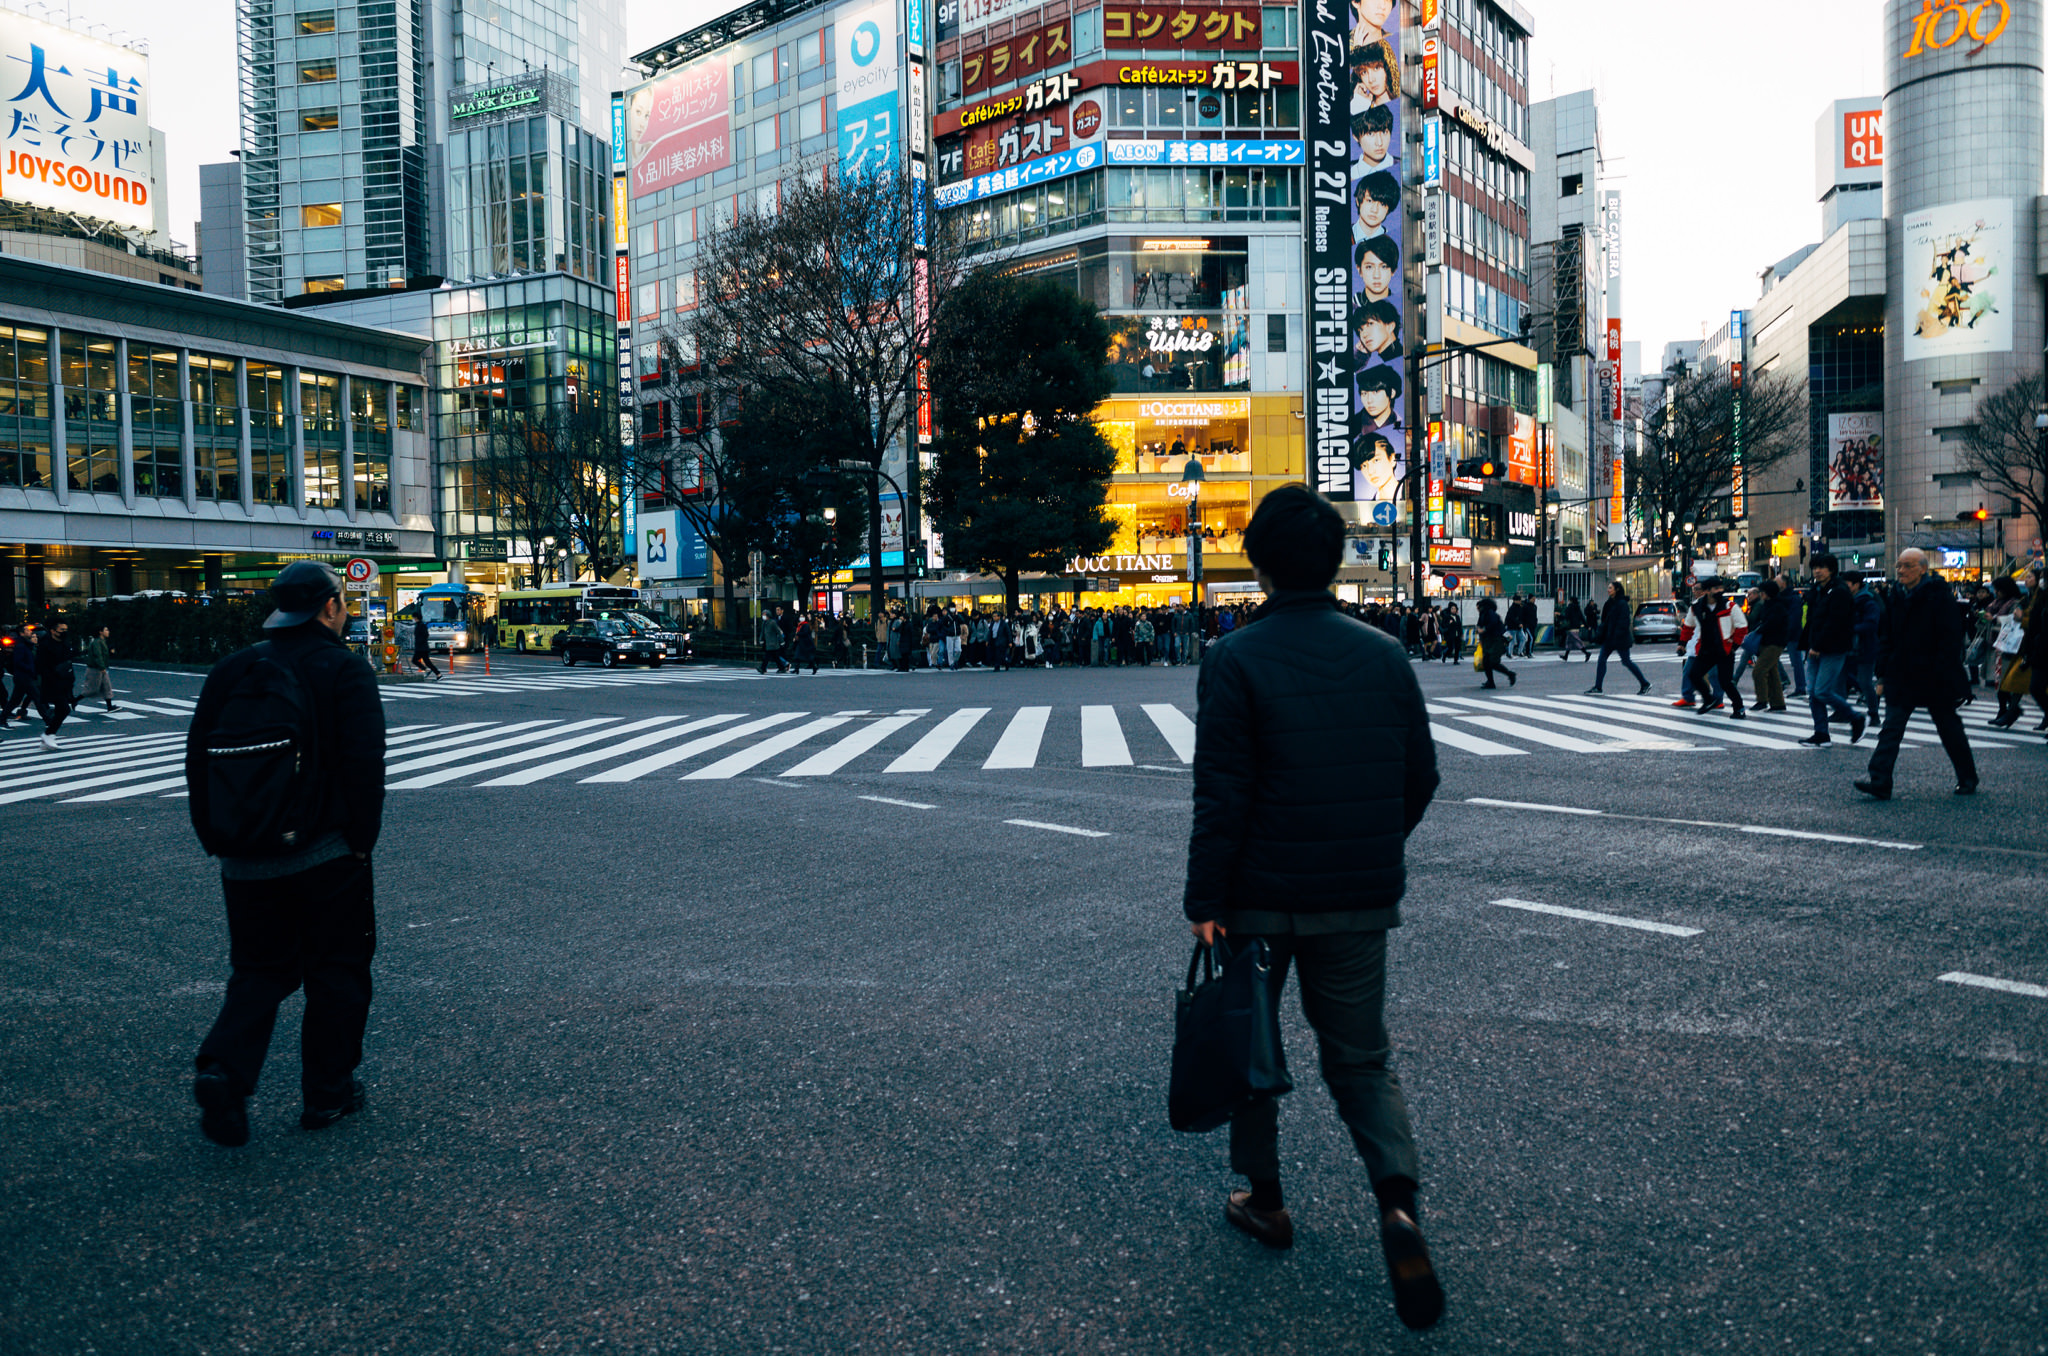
x,y
1863,139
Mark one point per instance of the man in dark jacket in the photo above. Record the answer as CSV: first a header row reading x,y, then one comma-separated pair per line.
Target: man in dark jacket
x,y
1313,763
1773,629
1920,664
54,679
1859,675
1830,636
306,917
1617,634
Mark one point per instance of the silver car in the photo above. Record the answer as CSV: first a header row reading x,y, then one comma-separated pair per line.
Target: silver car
x,y
1657,620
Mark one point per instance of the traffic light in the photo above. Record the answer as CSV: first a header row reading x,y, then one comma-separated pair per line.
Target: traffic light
x,y
1979,514
1478,468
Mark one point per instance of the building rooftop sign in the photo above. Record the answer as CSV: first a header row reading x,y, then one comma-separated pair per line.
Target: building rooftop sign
x,y
523,97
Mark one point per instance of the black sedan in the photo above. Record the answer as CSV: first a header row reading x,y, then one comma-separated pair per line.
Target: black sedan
x,y
608,643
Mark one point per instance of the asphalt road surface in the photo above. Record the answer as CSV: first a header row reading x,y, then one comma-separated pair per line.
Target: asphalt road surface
x,y
720,1013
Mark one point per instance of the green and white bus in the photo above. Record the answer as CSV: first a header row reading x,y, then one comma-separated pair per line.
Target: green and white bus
x,y
534,619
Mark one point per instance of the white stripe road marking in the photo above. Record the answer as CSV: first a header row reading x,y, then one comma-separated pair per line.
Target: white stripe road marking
x,y
89,748
1057,828
1588,916
545,770
1443,733
1528,805
445,739
1019,745
906,804
1102,739
2001,985
733,764
153,768
927,753
828,761
527,755
466,750
122,792
421,732
43,782
1722,732
1533,712
1177,729
1764,829
1535,736
654,762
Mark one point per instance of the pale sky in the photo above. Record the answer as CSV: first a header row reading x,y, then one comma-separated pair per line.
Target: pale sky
x,y
1706,122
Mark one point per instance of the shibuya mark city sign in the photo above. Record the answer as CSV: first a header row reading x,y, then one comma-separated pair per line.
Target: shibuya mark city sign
x,y
77,123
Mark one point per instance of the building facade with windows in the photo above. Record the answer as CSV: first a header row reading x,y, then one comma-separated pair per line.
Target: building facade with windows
x,y
1153,161
160,438
1568,279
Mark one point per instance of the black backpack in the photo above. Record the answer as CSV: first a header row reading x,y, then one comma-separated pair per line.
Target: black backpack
x,y
262,764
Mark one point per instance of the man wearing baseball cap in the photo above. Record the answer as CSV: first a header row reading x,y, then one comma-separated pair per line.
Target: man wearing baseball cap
x,y
285,767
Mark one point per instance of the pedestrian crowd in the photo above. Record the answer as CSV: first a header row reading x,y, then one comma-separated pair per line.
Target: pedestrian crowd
x,y
42,665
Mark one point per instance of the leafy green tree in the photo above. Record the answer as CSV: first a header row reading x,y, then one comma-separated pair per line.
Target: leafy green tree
x,y
1022,472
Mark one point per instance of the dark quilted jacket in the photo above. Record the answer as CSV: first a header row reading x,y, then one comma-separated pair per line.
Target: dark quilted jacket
x,y
1313,763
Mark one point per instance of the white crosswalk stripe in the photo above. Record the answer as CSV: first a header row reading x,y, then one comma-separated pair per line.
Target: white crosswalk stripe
x,y
1019,745
913,740
1102,739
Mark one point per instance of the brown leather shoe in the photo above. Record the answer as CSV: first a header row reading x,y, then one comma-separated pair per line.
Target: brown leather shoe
x,y
1274,1228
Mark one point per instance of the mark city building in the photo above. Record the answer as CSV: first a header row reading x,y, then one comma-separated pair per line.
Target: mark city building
x,y
152,437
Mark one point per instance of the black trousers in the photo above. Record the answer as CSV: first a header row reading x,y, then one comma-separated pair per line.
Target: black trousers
x,y
1723,667
1343,988
1898,709
317,928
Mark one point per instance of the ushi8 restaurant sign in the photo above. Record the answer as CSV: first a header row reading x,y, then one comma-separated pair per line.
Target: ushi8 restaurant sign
x,y
77,123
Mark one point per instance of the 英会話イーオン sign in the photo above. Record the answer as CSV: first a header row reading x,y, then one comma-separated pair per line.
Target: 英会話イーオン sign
x,y
76,123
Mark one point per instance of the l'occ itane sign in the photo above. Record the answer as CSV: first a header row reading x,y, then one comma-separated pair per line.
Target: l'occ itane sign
x,y
1938,27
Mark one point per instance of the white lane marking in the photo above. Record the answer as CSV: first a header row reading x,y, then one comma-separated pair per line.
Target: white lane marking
x,y
1019,745
1767,829
1612,709
121,792
32,750
1531,805
735,763
2001,985
1588,916
1569,743
1471,743
913,710
185,702
1177,729
1160,767
1622,743
927,753
1057,828
534,774
36,783
449,774
828,761
448,737
511,741
853,713
416,733
153,768
1102,739
654,762
906,804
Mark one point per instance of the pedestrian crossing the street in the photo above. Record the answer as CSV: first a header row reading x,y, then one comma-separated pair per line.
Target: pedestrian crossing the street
x,y
800,745
128,707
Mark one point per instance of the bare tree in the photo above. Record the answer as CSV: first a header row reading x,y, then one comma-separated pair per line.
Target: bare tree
x,y
558,471
817,301
1687,457
687,408
2006,452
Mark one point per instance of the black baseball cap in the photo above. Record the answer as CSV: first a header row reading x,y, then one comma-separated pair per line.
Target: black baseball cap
x,y
300,590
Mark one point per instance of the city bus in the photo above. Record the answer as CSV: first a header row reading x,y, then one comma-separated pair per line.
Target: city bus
x,y
455,617
534,619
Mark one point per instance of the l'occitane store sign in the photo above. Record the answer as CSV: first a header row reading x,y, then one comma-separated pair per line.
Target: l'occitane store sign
x,y
1938,27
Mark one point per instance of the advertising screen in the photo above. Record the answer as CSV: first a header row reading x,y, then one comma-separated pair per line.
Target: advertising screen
x,y
1374,223
669,547
1856,461
1959,279
1522,450
680,126
870,117
77,123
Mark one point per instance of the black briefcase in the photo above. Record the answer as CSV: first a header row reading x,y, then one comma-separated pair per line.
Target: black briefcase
x,y
1226,1040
